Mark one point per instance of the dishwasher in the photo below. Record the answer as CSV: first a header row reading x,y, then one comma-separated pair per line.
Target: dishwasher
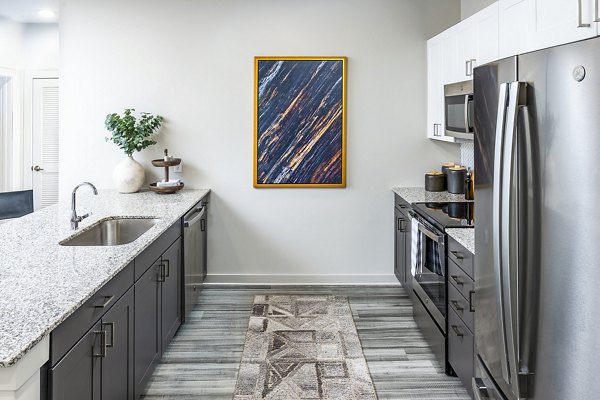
x,y
194,255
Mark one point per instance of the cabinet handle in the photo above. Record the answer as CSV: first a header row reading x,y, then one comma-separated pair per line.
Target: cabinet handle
x,y
161,273
107,300
471,293
456,255
457,306
580,16
112,333
168,268
457,331
596,16
436,130
467,67
401,226
102,353
202,225
458,281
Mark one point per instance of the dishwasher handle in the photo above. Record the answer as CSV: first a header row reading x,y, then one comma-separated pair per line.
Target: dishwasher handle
x,y
193,221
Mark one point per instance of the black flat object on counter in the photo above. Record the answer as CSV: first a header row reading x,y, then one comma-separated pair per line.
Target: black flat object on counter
x,y
448,214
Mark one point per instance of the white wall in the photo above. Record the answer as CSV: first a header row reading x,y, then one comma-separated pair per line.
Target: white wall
x,y
40,47
470,7
192,62
11,39
28,46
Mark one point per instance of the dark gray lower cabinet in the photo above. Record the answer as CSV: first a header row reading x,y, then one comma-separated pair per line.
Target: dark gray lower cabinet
x,y
461,325
157,312
108,348
460,349
100,365
117,365
171,293
78,375
402,238
147,324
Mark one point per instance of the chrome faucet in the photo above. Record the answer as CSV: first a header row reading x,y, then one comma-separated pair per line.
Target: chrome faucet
x,y
75,219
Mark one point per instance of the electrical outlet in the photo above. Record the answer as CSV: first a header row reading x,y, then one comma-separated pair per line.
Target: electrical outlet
x,y
178,168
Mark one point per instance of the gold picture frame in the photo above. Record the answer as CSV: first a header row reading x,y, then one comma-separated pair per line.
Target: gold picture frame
x,y
300,122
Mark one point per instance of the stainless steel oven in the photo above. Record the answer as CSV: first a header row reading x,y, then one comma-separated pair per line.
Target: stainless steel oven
x,y
429,270
458,107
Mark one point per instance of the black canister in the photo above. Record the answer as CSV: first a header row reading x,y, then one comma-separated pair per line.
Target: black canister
x,y
435,181
446,167
456,179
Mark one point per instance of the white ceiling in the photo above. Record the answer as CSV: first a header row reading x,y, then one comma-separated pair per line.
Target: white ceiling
x,y
26,11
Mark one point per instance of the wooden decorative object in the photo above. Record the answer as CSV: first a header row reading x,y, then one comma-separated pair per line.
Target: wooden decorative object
x,y
166,163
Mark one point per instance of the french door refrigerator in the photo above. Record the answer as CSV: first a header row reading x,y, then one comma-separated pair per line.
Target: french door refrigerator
x,y
537,236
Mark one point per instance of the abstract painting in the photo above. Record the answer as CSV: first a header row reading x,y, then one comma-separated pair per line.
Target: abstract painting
x,y
300,122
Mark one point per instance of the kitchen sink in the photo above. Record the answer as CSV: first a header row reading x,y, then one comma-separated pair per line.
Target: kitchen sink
x,y
111,232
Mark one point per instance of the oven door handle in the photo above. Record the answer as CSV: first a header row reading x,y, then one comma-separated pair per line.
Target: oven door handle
x,y
428,233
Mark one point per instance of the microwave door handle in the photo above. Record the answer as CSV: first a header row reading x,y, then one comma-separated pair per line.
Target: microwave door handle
x,y
496,217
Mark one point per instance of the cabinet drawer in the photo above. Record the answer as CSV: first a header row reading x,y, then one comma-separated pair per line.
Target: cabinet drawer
x,y
460,349
460,279
461,306
461,256
75,326
402,204
153,252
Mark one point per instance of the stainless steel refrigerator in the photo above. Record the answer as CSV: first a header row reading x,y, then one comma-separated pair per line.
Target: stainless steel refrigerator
x,y
537,235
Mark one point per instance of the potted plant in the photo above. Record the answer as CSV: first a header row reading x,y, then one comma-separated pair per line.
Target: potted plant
x,y
131,134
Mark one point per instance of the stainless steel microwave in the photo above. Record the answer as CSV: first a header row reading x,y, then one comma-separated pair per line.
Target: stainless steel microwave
x,y
458,104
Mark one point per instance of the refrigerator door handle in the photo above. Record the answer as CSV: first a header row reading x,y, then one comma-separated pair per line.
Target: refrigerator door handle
x,y
509,247
467,113
528,253
496,227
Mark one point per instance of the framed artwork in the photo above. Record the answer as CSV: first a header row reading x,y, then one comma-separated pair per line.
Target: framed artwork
x,y
300,122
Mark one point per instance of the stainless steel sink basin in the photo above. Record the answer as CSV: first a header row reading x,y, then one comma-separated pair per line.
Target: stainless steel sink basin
x,y
111,232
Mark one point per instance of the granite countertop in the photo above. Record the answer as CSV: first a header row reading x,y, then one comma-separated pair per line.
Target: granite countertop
x,y
464,236
420,195
42,283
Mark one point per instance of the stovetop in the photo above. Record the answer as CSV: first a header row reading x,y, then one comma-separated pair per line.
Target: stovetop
x,y
448,215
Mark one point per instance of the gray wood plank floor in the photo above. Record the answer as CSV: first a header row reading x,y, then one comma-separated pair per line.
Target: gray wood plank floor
x,y
202,360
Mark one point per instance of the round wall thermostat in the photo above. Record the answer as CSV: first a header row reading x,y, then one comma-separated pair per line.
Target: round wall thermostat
x,y
579,73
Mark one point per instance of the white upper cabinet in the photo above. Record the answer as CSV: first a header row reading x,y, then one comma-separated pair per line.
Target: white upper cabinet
x,y
478,39
435,89
472,42
528,25
451,57
487,35
515,26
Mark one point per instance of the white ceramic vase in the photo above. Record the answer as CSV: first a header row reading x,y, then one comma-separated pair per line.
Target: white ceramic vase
x,y
129,175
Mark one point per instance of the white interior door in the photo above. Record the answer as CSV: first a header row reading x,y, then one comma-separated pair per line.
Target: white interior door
x,y
44,166
6,128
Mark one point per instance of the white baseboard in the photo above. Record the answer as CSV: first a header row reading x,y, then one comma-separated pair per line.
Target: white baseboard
x,y
266,279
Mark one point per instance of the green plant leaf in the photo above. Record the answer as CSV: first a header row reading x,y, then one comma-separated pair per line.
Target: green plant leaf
x,y
131,134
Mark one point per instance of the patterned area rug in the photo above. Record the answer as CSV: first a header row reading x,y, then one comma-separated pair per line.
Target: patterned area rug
x,y
303,347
